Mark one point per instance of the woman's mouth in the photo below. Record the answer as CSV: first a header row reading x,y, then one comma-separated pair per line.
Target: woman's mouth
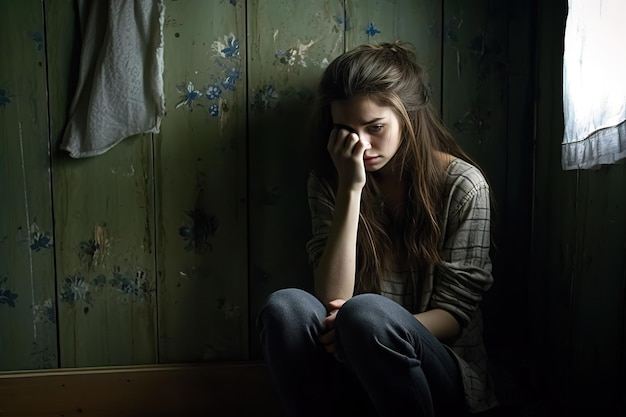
x,y
370,160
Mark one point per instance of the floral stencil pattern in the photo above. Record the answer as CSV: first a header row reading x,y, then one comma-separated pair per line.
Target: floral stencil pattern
x,y
6,296
197,235
265,98
188,93
4,98
136,287
39,240
227,58
371,31
75,289
230,310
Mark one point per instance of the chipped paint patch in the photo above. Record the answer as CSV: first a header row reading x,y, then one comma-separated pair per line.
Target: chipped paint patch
x,y
128,173
45,312
95,251
295,55
102,245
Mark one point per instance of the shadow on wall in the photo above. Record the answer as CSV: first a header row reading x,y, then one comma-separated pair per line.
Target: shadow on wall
x,y
279,220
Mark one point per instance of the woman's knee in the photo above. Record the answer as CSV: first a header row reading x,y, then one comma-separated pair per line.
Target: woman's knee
x,y
363,309
288,304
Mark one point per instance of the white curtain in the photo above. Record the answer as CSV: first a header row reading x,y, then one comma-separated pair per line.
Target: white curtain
x,y
594,84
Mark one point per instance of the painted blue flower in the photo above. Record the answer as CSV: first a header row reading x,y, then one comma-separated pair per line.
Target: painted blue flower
x,y
36,36
4,98
233,2
188,95
99,281
371,30
39,240
227,47
197,236
230,310
232,76
6,296
137,288
265,98
75,289
232,47
214,110
213,92
343,21
49,313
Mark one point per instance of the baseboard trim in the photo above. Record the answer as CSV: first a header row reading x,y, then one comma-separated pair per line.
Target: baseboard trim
x,y
220,389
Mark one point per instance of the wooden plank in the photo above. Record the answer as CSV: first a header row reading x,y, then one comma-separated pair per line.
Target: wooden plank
x,y
27,295
554,224
506,335
417,22
289,45
229,389
104,218
598,288
475,54
200,164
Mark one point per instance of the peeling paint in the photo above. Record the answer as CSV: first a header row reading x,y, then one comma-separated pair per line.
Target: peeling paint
x,y
295,55
102,245
129,173
45,312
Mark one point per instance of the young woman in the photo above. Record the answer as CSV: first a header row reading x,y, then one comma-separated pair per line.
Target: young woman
x,y
400,248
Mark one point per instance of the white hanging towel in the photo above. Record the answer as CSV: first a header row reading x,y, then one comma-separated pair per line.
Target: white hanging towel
x,y
120,80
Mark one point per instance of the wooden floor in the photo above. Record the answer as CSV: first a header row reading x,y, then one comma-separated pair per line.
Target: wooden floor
x,y
225,390
192,390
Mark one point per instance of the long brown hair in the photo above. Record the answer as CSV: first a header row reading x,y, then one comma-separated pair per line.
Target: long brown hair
x,y
389,75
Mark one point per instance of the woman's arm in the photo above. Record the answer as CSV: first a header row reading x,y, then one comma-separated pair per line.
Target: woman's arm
x,y
335,273
442,324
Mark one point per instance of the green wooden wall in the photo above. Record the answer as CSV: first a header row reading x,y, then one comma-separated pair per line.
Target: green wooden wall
x,y
163,249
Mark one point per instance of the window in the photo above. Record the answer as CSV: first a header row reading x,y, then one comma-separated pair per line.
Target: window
x,y
594,84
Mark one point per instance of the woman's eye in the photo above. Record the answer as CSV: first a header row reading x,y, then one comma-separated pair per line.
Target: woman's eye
x,y
376,128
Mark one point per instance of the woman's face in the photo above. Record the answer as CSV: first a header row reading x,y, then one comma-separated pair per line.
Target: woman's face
x,y
377,125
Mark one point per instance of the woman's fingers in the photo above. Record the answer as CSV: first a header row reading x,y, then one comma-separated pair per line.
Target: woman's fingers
x,y
342,141
336,304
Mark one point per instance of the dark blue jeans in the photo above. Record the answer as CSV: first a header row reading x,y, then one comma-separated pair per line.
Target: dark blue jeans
x,y
392,365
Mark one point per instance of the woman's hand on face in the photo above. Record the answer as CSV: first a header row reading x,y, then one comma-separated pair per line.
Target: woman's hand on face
x,y
328,325
346,150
